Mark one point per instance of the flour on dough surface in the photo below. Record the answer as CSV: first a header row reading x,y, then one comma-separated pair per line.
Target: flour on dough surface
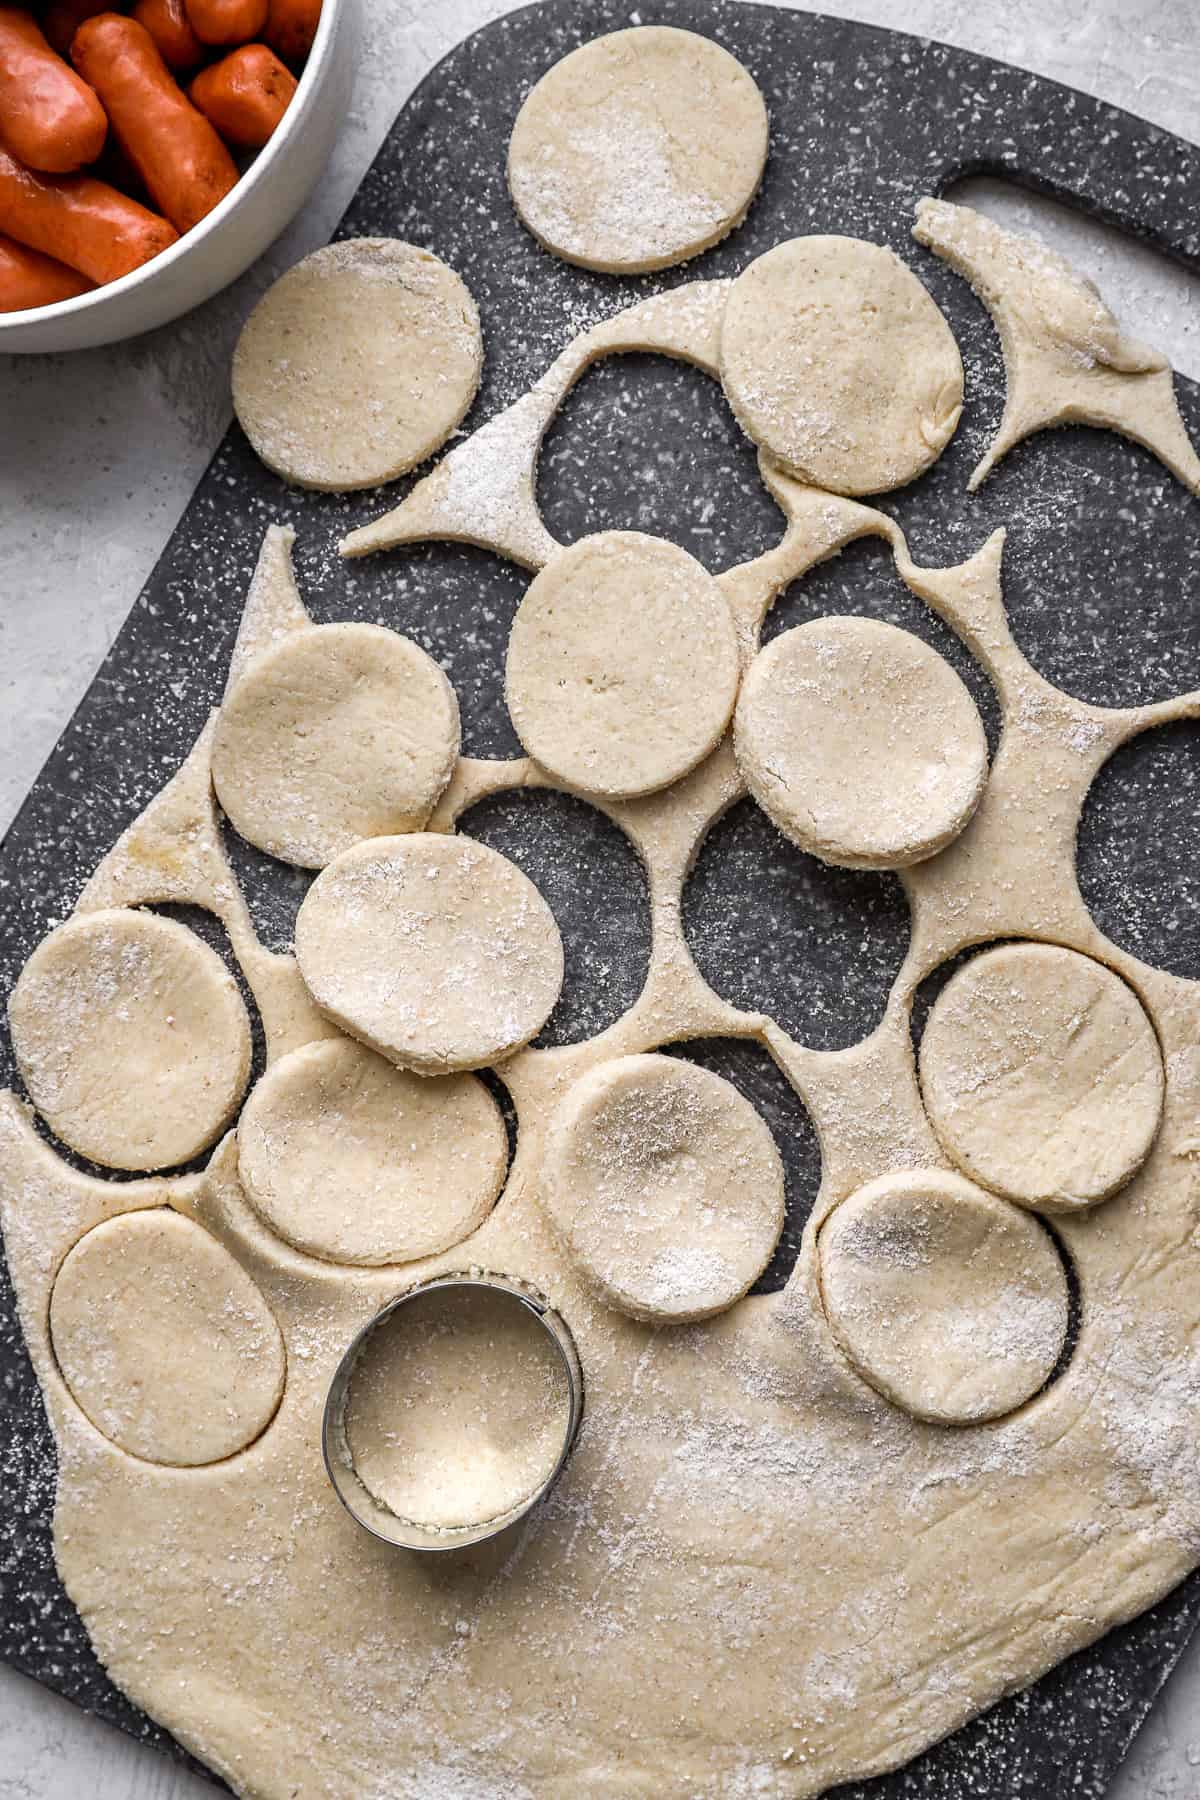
x,y
638,150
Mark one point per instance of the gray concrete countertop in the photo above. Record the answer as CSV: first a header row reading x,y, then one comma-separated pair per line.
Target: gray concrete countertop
x,y
99,453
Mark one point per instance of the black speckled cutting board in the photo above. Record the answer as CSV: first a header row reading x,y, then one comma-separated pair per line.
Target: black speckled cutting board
x,y
1102,578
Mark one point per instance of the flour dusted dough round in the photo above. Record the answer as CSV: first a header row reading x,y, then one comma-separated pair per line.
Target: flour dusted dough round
x,y
860,742
947,1299
458,1408
665,1187
837,362
622,665
332,735
164,1341
356,1161
638,150
436,951
1042,1075
131,1037
357,364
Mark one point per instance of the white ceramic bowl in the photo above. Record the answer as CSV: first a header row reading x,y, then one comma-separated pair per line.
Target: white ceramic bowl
x,y
250,217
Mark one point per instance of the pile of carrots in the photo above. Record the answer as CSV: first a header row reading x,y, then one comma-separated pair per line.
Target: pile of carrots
x,y
119,124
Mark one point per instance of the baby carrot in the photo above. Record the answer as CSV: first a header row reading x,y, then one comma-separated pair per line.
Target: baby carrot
x,y
291,27
184,164
49,119
79,221
244,95
167,23
27,278
227,21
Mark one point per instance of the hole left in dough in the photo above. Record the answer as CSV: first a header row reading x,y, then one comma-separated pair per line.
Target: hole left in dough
x,y
1098,613
164,1341
271,889
356,1161
132,1039
1138,851
773,930
642,443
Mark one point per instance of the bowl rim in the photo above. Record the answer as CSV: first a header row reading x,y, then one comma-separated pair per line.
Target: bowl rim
x,y
191,240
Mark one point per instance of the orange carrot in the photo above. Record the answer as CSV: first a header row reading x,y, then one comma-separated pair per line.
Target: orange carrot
x,y
291,27
79,221
174,149
27,278
167,23
227,21
49,119
64,18
244,95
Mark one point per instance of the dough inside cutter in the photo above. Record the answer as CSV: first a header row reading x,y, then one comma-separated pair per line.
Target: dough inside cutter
x,y
458,1408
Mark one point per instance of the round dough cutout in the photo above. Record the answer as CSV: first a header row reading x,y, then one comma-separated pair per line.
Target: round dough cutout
x,y
165,1342
355,1161
665,1186
860,742
837,363
638,150
357,364
132,1039
622,665
1042,1076
333,735
436,951
458,1408
949,1301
